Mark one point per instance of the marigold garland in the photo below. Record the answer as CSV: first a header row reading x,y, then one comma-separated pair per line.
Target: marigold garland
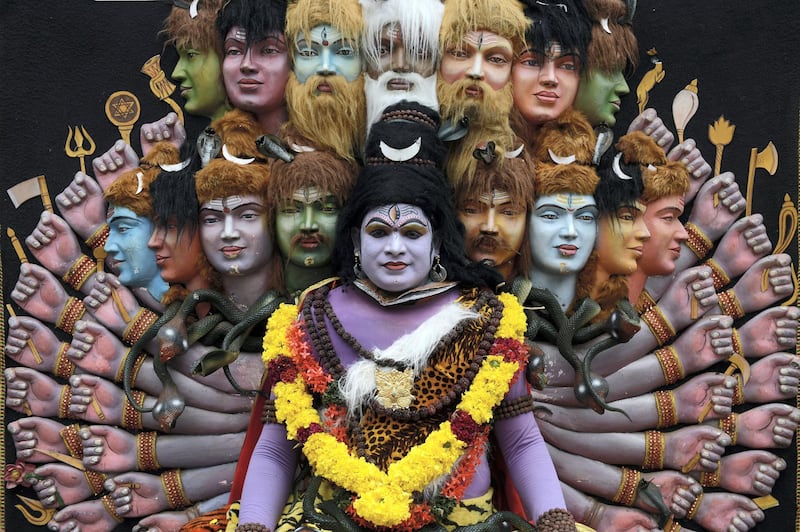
x,y
385,499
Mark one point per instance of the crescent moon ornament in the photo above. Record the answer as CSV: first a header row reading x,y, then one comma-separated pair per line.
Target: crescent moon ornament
x,y
297,148
515,153
234,159
139,184
604,25
401,154
569,159
651,167
177,167
193,8
618,170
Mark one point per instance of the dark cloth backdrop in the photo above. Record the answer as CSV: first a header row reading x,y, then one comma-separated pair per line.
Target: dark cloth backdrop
x,y
61,60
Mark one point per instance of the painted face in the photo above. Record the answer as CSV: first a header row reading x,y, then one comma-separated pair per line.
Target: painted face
x,y
599,96
255,77
563,229
326,53
495,227
395,57
620,240
127,247
481,55
305,226
176,252
199,75
544,84
396,247
666,234
234,234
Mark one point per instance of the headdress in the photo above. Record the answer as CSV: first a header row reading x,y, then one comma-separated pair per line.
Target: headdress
x,y
132,188
230,173
563,21
661,177
404,181
303,15
257,18
613,46
503,17
187,29
419,19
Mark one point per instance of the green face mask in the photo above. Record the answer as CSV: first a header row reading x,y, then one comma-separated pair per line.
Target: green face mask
x,y
599,96
305,226
199,76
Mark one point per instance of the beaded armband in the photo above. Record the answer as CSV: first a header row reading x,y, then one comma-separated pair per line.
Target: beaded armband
x,y
695,505
121,369
644,302
132,418
173,489
72,440
666,409
64,401
654,450
628,487
710,479
738,391
108,504
95,481
63,366
698,242
73,310
718,275
671,365
729,304
268,415
659,325
79,272
736,342
142,321
99,237
514,407
146,456
730,425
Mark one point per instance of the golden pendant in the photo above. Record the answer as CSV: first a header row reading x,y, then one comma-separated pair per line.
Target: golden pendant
x,y
394,387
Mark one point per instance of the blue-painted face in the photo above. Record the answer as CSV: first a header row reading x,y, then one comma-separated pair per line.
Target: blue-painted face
x,y
563,229
127,248
325,52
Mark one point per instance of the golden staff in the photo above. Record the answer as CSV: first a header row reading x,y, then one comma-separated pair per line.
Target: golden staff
x,y
160,85
766,159
122,110
32,347
16,245
720,133
79,151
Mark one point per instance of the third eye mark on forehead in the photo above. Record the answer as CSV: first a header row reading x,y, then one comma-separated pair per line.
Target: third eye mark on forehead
x,y
398,215
571,201
495,197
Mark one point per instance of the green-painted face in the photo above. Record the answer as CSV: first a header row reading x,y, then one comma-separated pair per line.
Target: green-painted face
x,y
199,75
599,96
305,226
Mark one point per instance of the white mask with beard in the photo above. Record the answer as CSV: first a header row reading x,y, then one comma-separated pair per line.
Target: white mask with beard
x,y
410,86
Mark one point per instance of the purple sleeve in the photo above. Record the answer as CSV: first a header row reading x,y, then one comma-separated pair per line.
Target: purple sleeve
x,y
269,477
528,460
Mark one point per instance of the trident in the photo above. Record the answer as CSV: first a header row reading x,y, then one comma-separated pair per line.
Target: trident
x,y
79,151
766,159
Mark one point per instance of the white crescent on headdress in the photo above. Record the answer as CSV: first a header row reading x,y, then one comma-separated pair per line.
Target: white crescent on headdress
x,y
193,8
515,153
617,169
139,185
401,154
569,159
604,25
297,148
177,167
234,159
651,167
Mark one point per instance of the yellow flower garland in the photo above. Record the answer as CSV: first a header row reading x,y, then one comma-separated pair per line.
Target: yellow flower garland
x,y
385,499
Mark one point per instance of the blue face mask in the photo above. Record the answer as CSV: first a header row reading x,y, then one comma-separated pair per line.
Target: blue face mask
x,y
325,52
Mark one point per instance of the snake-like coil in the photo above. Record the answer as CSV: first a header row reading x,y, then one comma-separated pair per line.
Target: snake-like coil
x,y
225,321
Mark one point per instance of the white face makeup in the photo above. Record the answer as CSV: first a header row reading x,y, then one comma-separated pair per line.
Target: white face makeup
x,y
395,243
325,52
234,234
563,229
